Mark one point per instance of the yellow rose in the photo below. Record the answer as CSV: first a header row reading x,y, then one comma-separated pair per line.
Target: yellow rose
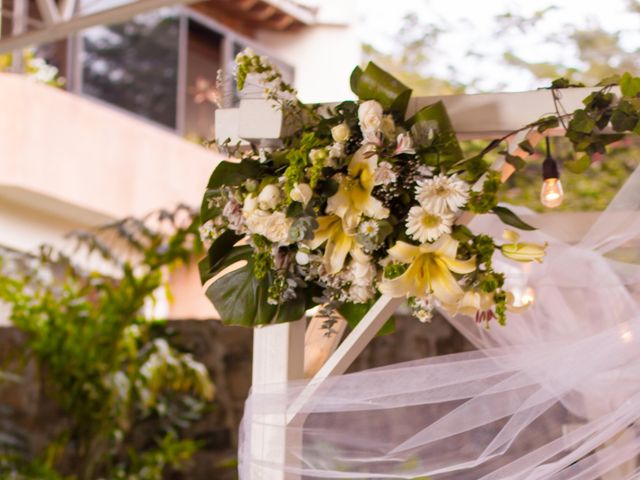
x,y
341,133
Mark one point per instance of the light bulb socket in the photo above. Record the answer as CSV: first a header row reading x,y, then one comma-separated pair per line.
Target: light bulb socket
x,y
549,166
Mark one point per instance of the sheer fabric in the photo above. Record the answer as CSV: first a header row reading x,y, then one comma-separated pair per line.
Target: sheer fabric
x,y
554,395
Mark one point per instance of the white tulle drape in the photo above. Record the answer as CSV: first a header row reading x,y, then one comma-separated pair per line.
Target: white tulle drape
x,y
554,395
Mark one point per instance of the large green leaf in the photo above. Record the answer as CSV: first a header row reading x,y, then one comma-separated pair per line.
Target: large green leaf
x,y
239,297
374,83
291,310
511,219
234,173
354,312
218,251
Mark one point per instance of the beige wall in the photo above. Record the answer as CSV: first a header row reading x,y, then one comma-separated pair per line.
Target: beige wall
x,y
70,163
81,153
323,56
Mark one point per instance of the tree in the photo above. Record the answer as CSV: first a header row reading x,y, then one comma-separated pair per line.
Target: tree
x,y
599,53
125,392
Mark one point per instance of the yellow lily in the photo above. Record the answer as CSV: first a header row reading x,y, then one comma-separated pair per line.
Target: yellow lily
x,y
521,251
339,242
472,302
353,197
430,270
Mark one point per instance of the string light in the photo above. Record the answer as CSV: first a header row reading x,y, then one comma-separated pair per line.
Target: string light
x,y
528,296
552,193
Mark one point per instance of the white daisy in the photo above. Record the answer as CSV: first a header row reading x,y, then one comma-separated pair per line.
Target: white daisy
x,y
426,226
442,193
368,228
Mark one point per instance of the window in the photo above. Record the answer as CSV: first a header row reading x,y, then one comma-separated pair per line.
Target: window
x,y
134,65
204,59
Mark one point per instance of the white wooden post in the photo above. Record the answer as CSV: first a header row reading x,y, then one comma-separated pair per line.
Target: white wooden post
x,y
278,356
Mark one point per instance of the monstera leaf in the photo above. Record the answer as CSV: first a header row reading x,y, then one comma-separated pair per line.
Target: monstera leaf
x,y
239,297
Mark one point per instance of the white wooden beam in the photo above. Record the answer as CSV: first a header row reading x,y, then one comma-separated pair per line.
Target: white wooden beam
x,y
490,115
278,357
348,350
63,29
67,9
485,115
49,11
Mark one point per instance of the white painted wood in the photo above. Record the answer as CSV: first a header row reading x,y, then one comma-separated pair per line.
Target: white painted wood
x,y
63,29
486,115
260,120
67,9
227,124
490,115
49,11
348,351
278,357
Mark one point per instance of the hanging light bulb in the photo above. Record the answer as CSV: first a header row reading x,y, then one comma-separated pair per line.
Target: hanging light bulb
x,y
552,193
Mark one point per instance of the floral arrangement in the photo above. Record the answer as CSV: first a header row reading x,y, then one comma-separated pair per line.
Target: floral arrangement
x,y
356,202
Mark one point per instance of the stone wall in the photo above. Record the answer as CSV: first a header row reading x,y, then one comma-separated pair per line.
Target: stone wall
x,y
227,353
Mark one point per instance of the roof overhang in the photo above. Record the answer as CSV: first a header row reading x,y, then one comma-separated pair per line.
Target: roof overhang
x,y
59,20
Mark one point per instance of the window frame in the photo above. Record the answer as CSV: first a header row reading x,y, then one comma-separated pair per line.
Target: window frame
x,y
184,15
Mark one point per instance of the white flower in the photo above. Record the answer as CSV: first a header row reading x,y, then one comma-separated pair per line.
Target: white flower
x,y
250,205
276,228
384,174
360,293
302,193
425,226
335,151
269,197
370,115
341,133
368,228
302,258
232,211
317,155
425,171
363,272
206,230
404,144
442,193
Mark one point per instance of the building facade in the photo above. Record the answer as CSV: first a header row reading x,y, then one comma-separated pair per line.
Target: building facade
x,y
123,137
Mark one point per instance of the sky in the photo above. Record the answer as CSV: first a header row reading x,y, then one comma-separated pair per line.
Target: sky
x,y
470,24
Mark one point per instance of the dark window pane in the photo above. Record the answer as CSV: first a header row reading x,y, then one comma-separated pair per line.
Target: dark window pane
x,y
134,65
204,59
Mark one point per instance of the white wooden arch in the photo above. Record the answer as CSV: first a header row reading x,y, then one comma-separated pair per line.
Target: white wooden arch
x,y
280,351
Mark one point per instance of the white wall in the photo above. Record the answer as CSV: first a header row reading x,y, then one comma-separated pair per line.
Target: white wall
x,y
323,55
